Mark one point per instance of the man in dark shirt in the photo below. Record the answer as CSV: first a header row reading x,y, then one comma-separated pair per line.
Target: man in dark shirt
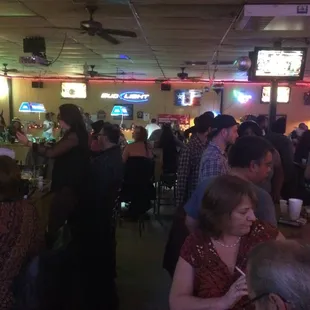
x,y
99,231
107,168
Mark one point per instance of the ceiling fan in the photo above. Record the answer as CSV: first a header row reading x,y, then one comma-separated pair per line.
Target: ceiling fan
x,y
94,28
184,75
5,70
92,73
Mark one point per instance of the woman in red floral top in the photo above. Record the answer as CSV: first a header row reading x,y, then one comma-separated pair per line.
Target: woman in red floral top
x,y
21,235
207,275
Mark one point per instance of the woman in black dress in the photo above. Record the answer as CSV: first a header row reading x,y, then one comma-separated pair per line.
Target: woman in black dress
x,y
71,165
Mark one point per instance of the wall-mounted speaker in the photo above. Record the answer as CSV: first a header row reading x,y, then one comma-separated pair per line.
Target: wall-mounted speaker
x,y
165,87
37,84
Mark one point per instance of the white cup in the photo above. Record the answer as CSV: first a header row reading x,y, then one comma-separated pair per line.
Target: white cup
x,y
294,208
304,161
283,207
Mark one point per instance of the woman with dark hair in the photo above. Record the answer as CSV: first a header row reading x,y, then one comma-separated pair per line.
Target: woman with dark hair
x,y
140,148
207,275
21,235
168,145
71,164
303,148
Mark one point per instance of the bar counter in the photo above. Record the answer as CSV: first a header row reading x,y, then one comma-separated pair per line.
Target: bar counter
x,y
20,150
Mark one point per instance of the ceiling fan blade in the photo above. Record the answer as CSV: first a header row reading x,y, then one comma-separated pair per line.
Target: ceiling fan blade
x,y
64,28
123,33
131,73
105,75
11,70
104,35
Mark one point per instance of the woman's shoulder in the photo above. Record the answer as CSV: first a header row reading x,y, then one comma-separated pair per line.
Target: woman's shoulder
x,y
193,249
262,231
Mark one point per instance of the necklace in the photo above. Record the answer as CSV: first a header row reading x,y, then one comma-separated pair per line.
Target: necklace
x,y
228,246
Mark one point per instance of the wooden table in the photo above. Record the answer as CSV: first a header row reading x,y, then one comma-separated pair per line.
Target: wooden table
x,y
20,150
291,232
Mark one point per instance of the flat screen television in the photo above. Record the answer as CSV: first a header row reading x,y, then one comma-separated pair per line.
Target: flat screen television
x,y
283,94
32,107
70,90
122,109
187,97
286,64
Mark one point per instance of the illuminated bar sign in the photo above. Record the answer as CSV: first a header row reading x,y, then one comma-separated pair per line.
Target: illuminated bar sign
x,y
33,107
130,96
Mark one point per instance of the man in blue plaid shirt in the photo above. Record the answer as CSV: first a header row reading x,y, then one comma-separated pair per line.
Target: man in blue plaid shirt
x,y
214,161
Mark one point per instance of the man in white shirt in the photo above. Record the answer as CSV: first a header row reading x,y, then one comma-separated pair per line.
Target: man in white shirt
x,y
151,127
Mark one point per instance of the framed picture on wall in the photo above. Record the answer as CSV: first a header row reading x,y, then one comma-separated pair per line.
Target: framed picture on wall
x,y
73,90
283,95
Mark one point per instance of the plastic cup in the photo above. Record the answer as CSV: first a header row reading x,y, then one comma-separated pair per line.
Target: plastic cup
x,y
294,208
283,207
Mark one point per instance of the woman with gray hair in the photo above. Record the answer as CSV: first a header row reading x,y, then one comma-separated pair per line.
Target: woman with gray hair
x,y
278,276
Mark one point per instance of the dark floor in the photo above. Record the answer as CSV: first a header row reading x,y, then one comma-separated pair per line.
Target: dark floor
x,y
142,282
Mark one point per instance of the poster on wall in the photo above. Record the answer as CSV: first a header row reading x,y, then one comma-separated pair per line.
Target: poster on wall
x,y
170,118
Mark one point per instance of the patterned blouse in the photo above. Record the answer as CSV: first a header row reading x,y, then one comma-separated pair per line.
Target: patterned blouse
x,y
212,277
20,240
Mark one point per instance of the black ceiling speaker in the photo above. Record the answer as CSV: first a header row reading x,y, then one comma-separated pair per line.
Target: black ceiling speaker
x,y
165,87
36,84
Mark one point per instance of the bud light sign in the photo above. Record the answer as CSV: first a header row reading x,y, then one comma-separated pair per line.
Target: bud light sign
x,y
131,96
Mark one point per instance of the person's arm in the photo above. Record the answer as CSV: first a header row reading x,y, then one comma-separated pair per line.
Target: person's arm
x,y
182,177
192,206
61,147
126,153
307,170
191,223
266,210
181,294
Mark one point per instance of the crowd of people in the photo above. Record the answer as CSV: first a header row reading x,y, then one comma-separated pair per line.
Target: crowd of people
x,y
224,249
228,182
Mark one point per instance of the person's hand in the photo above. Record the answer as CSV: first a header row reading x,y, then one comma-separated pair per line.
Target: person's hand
x,y
22,138
235,293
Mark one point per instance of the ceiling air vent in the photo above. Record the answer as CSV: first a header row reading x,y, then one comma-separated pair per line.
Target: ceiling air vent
x,y
258,17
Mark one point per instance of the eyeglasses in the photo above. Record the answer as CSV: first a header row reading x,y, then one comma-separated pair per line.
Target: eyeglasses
x,y
249,304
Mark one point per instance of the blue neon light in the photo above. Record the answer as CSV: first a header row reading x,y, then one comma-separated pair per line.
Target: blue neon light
x,y
119,110
134,96
33,107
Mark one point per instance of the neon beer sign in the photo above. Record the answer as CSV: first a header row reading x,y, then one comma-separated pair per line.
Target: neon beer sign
x,y
131,96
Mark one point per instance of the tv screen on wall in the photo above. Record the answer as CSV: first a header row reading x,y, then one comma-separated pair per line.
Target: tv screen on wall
x,y
278,63
283,95
187,97
122,111
73,90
